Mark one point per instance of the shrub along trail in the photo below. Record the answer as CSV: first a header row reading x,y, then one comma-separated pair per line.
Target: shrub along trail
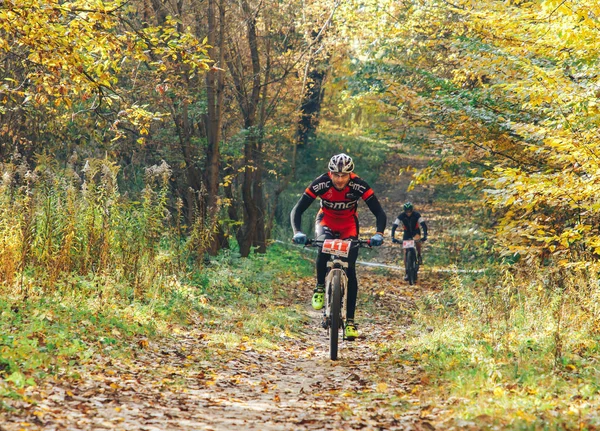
x,y
169,383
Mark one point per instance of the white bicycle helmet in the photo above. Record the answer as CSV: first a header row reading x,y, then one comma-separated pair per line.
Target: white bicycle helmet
x,y
341,163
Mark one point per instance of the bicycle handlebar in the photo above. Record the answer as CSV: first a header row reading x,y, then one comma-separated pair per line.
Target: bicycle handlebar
x,y
355,243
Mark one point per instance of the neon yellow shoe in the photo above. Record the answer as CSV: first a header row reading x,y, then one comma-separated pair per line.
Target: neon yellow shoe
x,y
350,333
318,299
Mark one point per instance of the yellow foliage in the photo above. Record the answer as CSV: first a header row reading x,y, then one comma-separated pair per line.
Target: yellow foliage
x,y
68,51
509,85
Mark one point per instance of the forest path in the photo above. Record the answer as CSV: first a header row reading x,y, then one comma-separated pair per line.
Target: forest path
x,y
173,384
168,386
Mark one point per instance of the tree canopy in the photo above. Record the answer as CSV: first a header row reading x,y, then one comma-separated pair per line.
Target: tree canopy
x,y
504,93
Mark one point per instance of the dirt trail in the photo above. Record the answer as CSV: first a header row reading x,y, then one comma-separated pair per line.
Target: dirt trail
x,y
169,386
166,387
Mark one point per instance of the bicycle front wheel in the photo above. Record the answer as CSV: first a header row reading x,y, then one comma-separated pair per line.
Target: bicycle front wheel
x,y
335,309
411,266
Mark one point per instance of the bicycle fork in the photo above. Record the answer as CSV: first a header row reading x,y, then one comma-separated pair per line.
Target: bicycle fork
x,y
335,266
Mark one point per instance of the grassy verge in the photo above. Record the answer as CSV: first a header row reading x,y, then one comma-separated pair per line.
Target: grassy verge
x,y
235,300
510,347
509,351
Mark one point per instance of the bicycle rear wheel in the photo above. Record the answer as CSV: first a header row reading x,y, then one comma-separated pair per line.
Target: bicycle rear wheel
x,y
411,266
335,315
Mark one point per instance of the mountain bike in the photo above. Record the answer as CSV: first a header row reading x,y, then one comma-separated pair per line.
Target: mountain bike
x,y
336,284
411,263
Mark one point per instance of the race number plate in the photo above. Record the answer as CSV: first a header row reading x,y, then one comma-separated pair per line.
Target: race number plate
x,y
408,244
337,247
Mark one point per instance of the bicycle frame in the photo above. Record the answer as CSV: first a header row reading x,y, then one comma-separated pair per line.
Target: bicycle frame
x,y
336,266
411,243
410,259
336,284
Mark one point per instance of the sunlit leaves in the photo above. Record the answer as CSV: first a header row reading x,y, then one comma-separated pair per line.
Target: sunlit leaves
x,y
509,88
61,54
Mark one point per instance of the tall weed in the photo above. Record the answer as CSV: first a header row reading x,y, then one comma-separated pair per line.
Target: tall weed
x,y
56,223
520,338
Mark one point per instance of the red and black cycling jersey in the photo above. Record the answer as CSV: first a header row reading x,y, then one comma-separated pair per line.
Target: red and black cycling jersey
x,y
338,205
412,225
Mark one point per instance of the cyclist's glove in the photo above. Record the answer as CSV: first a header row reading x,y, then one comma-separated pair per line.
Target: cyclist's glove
x,y
395,241
376,240
299,238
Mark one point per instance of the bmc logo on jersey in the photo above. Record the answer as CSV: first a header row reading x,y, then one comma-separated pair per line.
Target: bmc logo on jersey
x,y
339,205
358,187
321,186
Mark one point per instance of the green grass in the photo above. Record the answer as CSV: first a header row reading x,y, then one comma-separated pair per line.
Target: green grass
x,y
236,299
505,348
491,346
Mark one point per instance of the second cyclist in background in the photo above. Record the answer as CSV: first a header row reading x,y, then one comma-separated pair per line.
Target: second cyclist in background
x,y
413,222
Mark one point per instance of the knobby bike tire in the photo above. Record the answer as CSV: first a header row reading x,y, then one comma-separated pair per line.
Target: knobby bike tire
x,y
411,266
335,310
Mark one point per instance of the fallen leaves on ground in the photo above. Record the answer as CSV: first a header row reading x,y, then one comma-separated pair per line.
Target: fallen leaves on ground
x,y
169,384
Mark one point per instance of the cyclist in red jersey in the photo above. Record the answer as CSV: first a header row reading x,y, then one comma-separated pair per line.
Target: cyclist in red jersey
x,y
340,189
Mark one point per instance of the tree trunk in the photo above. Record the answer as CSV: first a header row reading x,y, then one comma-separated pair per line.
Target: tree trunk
x,y
214,95
232,213
310,107
316,70
247,234
183,127
252,195
261,234
260,239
